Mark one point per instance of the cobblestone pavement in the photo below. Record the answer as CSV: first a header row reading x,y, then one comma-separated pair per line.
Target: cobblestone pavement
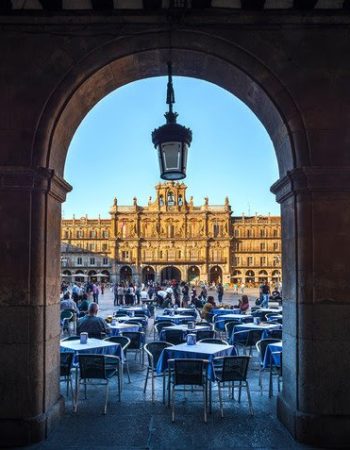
x,y
137,423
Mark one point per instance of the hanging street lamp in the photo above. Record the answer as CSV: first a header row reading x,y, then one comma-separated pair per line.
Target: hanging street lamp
x,y
172,140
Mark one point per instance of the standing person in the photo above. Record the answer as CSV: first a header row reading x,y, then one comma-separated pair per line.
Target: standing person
x,y
102,288
265,290
95,292
115,293
204,294
220,292
235,289
138,293
150,291
185,295
169,290
120,291
242,287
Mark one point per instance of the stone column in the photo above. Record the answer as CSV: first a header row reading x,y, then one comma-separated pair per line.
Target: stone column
x,y
315,402
30,204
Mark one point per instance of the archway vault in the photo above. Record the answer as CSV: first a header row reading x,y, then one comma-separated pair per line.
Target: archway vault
x,y
194,54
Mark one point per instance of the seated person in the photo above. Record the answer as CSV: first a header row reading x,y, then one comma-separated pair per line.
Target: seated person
x,y
276,295
208,307
92,324
68,303
84,304
243,303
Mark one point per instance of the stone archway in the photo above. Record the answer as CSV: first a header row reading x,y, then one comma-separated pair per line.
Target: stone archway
x,y
170,273
193,274
148,274
215,275
125,274
67,81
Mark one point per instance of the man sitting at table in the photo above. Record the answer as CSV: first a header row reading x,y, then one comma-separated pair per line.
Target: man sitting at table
x,y
92,324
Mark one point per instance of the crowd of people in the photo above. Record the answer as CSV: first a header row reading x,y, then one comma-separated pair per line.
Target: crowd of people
x,y
82,298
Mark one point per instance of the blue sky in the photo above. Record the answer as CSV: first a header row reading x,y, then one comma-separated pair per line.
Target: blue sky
x,y
112,154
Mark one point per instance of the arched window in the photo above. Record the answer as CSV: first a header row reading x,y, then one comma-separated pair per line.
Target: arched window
x,y
161,200
236,233
180,201
171,199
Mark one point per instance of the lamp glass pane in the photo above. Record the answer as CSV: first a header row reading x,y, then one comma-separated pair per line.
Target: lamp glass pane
x,y
171,152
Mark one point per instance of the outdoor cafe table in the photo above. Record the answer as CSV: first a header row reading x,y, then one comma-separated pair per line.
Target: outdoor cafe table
x,y
183,328
197,351
271,356
222,318
225,311
252,326
130,310
275,317
126,319
92,346
189,311
176,318
121,327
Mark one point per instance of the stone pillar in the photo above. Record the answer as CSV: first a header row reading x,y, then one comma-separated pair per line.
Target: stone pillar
x,y
315,402
30,204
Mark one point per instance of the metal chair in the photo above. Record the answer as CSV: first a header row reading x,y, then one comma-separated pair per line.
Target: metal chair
x,y
187,372
97,335
247,339
275,369
214,341
153,351
232,369
174,336
66,362
71,338
276,334
137,340
124,342
66,317
229,327
136,322
158,326
205,334
261,348
97,370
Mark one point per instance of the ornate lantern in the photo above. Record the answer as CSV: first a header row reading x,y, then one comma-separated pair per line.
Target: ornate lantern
x,y
172,140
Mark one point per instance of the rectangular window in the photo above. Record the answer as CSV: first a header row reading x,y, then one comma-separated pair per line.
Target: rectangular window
x,y
249,261
263,261
275,233
80,234
105,234
92,247
79,261
105,261
275,246
92,261
66,234
262,233
104,247
262,246
125,254
92,234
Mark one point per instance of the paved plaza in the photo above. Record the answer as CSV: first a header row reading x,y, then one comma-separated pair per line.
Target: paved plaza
x,y
136,423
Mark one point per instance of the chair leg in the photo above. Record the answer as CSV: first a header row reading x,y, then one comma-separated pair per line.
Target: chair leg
x,y
85,390
220,400
119,382
251,411
270,384
205,403
173,404
145,386
127,370
106,400
75,402
164,387
152,374
240,392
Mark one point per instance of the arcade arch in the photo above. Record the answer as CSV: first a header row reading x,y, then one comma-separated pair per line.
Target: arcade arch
x,y
79,86
170,273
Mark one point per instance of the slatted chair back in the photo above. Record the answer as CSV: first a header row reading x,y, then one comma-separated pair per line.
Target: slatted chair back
x,y
235,368
205,334
189,372
66,361
174,336
262,345
154,350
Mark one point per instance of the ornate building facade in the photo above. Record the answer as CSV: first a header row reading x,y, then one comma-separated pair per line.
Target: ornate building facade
x,y
171,238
